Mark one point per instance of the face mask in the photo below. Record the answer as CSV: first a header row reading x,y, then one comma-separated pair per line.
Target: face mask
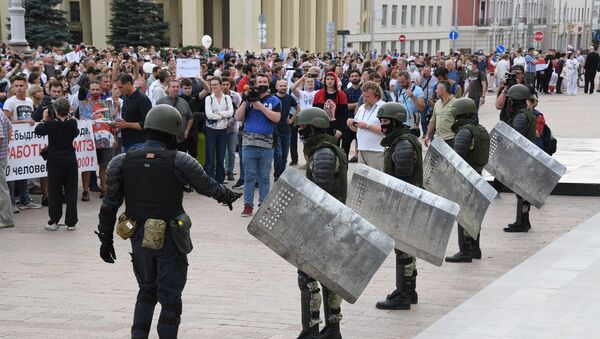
x,y
304,133
385,129
412,67
263,89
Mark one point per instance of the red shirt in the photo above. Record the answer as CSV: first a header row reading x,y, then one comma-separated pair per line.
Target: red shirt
x,y
243,82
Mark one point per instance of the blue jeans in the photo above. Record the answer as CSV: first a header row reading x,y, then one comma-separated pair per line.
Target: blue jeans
x,y
23,191
133,147
232,141
280,153
257,168
216,142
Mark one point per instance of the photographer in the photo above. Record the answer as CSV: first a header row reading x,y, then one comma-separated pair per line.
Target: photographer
x,y
260,113
61,163
516,76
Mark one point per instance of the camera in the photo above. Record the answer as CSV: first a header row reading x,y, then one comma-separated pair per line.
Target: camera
x,y
511,79
51,111
297,72
253,93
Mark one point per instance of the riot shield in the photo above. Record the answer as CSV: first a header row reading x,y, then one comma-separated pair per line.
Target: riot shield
x,y
521,165
319,235
419,221
448,175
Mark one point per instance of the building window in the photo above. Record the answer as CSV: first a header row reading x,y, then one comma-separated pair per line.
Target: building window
x,y
403,19
402,47
383,47
439,16
422,15
412,47
430,18
394,15
437,45
393,47
421,46
413,15
429,47
383,15
74,11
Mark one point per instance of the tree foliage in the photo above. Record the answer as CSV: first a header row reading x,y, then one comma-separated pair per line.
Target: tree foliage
x,y
44,24
137,22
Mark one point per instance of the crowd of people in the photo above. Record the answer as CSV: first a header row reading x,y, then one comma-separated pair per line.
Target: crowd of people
x,y
219,123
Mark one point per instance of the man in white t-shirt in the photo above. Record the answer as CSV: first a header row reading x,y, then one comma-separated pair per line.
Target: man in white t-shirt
x,y
367,127
305,100
19,109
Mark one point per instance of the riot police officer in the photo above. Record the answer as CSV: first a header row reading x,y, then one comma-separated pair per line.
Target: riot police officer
x,y
402,159
151,181
523,121
327,166
472,143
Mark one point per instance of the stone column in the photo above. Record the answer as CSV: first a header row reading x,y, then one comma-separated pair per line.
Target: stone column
x,y
17,27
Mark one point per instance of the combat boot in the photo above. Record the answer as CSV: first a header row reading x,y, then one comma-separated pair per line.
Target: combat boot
x,y
310,333
465,253
400,298
522,223
476,249
331,331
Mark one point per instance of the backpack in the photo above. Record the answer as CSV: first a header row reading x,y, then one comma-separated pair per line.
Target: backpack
x,y
548,140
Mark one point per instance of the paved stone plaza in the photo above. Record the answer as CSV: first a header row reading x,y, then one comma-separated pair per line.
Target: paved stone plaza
x,y
54,284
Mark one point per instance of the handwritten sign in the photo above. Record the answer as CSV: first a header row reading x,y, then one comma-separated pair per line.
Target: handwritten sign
x,y
72,57
188,68
25,161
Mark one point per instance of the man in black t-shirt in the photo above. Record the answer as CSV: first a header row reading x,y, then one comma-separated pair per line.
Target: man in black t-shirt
x,y
282,144
477,87
135,107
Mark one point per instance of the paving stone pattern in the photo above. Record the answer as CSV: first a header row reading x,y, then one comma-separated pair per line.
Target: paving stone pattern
x,y
54,285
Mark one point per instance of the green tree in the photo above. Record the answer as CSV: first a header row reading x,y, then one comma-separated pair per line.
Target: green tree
x,y
44,24
137,22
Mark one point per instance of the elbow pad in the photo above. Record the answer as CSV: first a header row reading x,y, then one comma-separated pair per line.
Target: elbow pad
x,y
324,166
404,159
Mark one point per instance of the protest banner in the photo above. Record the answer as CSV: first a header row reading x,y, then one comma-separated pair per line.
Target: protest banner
x,y
188,68
25,161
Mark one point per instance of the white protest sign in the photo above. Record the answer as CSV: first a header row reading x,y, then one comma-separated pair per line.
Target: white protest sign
x,y
25,161
188,68
72,57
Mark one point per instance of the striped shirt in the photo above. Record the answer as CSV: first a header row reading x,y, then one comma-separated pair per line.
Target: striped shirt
x,y
530,65
5,130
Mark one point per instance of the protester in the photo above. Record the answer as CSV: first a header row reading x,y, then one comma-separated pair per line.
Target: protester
x,y
61,164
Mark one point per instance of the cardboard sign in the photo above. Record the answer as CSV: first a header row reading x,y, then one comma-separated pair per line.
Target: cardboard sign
x,y
188,68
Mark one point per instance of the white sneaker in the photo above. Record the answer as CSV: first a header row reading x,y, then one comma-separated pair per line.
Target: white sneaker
x,y
71,228
29,205
51,227
16,210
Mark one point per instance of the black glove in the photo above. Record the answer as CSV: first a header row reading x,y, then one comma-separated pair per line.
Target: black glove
x,y
226,196
107,250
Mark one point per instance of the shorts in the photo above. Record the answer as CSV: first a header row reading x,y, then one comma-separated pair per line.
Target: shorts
x,y
104,156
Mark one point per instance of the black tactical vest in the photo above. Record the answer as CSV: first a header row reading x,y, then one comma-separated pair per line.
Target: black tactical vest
x,y
479,155
150,186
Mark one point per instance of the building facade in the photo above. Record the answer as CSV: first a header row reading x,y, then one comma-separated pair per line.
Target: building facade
x,y
486,24
230,23
378,24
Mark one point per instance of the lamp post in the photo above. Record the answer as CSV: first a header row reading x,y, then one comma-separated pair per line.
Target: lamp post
x,y
17,40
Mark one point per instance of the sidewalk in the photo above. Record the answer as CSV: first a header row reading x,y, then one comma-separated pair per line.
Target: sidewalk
x,y
553,294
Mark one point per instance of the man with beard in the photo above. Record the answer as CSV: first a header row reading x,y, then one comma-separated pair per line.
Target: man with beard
x,y
353,94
